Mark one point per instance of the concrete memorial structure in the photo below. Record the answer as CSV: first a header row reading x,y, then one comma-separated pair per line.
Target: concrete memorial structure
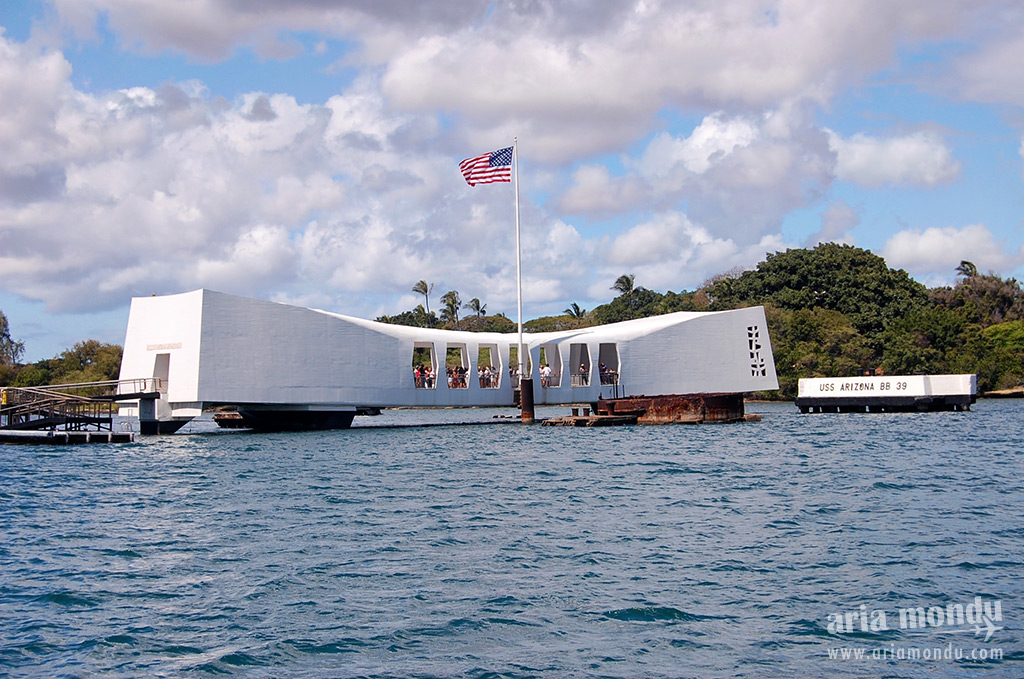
x,y
288,367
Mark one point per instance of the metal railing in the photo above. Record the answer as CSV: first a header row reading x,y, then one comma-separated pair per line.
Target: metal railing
x,y
72,407
552,381
491,380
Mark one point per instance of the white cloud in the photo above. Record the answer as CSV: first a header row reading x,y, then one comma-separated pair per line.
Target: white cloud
x,y
162,190
935,252
571,78
263,251
837,223
595,191
739,175
918,159
671,252
667,237
30,86
986,73
712,140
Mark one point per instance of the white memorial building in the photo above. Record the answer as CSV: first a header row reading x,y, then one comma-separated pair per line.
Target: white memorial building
x,y
291,367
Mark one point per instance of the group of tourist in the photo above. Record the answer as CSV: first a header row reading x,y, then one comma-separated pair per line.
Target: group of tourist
x,y
425,377
489,376
608,375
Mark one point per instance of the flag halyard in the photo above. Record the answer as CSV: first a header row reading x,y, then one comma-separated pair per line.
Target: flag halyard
x,y
488,168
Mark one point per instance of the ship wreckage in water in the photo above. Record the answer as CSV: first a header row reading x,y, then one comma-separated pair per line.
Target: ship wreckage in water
x,y
288,367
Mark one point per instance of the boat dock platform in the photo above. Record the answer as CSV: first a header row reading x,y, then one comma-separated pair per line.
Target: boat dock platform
x,y
69,413
60,438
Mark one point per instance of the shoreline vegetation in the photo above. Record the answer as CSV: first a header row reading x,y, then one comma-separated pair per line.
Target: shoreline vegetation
x,y
833,311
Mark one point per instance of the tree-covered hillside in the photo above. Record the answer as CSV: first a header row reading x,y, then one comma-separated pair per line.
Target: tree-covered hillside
x,y
837,310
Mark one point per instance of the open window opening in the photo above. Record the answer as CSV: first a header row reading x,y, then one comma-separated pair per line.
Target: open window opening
x,y
424,366
550,366
608,363
513,364
488,366
579,359
456,366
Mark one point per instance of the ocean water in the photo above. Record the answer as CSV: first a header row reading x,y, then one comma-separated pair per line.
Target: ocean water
x,y
512,551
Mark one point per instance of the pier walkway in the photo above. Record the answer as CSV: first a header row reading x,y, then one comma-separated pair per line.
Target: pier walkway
x,y
81,407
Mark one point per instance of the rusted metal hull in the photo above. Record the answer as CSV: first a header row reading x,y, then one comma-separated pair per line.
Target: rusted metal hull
x,y
676,408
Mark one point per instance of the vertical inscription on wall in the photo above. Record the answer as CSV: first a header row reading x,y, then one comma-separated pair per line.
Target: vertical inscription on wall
x,y
757,366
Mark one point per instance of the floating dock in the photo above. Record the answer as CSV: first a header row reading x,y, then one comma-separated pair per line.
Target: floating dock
x,y
69,413
60,438
887,394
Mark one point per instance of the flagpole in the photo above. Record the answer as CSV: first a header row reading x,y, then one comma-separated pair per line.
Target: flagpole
x,y
519,264
525,381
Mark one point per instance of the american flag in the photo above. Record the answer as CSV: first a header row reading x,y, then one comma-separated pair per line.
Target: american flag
x,y
489,168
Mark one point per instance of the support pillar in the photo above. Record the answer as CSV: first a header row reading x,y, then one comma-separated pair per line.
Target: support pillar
x,y
526,399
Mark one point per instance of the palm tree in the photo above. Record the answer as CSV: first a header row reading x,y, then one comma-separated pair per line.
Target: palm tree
x,y
967,269
625,284
422,288
452,303
575,311
476,307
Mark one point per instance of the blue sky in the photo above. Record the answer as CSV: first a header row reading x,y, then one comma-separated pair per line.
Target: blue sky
x,y
307,152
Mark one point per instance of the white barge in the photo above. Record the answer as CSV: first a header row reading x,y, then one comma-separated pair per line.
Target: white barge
x,y
291,367
886,393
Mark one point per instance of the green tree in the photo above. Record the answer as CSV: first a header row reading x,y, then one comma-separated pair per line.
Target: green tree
x,y
424,288
492,323
1004,350
556,323
997,366
916,344
575,311
640,303
476,307
624,284
451,303
33,375
843,278
88,361
814,343
967,269
417,318
684,301
983,299
11,350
